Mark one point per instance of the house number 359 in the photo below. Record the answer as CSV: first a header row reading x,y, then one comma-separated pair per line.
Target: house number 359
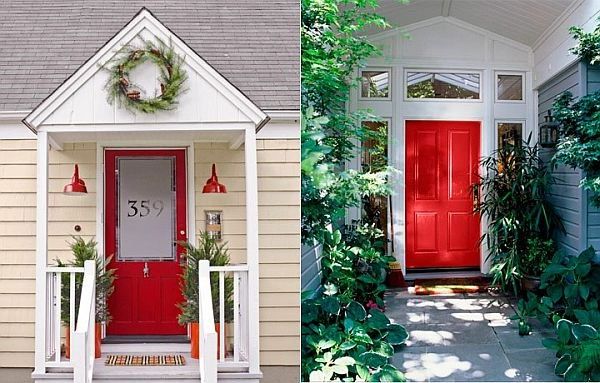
x,y
144,207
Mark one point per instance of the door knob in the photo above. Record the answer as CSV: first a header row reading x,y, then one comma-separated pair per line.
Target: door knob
x,y
146,270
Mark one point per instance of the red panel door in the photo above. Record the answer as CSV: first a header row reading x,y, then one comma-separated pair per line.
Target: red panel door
x,y
441,167
145,215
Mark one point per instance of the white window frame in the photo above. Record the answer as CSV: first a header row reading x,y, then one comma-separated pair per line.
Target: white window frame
x,y
509,73
521,121
375,69
462,100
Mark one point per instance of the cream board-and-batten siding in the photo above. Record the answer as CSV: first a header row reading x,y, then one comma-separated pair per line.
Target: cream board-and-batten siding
x,y
279,238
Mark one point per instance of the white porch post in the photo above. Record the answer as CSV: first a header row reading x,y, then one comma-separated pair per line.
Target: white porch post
x,y
41,250
252,249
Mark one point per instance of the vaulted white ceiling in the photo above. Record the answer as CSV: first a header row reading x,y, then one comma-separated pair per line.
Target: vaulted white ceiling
x,y
520,20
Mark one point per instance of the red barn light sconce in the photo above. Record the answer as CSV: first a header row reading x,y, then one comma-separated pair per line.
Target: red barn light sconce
x,y
212,184
77,185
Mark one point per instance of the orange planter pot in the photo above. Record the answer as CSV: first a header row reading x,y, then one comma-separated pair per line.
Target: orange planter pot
x,y
195,341
98,342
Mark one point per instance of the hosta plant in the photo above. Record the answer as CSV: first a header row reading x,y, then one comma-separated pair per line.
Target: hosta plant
x,y
344,341
578,350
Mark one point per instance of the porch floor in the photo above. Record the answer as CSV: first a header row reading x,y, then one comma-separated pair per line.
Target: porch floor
x,y
467,337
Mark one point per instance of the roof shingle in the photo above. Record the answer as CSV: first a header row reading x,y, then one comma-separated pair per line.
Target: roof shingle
x,y
255,44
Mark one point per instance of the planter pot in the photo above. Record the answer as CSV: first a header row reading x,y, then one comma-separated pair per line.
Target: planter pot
x,y
529,283
98,342
195,339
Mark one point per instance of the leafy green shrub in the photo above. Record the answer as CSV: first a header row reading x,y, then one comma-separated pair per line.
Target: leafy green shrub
x,y
537,257
514,184
578,350
570,284
343,341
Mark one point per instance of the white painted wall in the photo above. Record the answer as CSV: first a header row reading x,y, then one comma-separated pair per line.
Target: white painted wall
x,y
445,43
551,51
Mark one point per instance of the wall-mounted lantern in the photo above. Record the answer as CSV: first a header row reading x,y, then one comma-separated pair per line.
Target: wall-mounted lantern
x,y
77,185
214,224
212,184
548,131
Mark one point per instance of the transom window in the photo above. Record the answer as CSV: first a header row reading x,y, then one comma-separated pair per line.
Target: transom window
x,y
375,84
443,85
509,87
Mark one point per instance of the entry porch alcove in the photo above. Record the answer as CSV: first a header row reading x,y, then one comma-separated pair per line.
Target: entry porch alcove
x,y
213,122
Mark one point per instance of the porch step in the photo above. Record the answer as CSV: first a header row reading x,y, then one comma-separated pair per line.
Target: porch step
x,y
223,377
118,339
146,348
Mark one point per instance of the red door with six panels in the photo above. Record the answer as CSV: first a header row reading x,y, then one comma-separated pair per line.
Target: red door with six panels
x,y
145,217
441,168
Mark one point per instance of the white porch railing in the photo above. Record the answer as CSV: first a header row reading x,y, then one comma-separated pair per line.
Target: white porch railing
x,y
83,352
81,332
208,335
233,352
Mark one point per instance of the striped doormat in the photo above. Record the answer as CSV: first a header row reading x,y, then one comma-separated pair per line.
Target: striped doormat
x,y
145,360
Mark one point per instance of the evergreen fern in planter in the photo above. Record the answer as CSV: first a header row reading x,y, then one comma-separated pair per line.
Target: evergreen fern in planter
x,y
217,255
86,251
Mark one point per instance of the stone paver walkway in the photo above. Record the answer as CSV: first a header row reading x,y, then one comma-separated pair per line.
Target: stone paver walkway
x,y
467,337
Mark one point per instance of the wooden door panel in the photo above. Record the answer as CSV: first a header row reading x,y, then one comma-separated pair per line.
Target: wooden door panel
x,y
147,288
441,166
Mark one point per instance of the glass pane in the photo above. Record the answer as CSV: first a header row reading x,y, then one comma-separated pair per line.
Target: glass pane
x,y
510,87
145,209
510,133
375,84
442,85
375,158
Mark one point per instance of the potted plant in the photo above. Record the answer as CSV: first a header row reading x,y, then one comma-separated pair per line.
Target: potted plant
x,y
85,251
217,255
534,261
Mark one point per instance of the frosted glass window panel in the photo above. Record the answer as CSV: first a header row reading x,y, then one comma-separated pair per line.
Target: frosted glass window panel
x,y
510,87
433,85
146,209
375,84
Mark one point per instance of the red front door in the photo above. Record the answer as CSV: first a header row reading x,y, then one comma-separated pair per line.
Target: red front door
x,y
441,167
145,202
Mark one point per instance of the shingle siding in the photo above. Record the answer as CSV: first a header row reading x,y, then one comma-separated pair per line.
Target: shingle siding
x,y
254,44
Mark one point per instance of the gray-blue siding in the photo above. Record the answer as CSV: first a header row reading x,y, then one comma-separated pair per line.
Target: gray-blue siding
x,y
566,196
310,267
593,213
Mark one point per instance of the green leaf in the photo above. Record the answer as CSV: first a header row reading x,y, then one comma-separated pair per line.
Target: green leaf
x,y
555,292
388,373
377,319
317,376
347,345
582,269
360,336
397,335
363,372
356,311
345,361
573,374
583,332
330,305
385,349
584,292
563,330
339,369
550,343
587,255
562,364
571,291
326,344
372,359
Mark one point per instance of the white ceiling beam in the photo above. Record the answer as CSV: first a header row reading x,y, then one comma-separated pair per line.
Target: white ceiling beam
x,y
236,142
55,143
446,5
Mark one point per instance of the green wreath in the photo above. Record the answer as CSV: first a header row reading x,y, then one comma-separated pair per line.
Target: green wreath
x,y
172,77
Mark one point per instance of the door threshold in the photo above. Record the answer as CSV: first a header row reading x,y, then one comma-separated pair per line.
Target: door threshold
x,y
435,274
130,339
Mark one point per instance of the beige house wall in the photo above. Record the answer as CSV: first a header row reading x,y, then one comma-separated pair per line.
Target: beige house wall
x,y
279,233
